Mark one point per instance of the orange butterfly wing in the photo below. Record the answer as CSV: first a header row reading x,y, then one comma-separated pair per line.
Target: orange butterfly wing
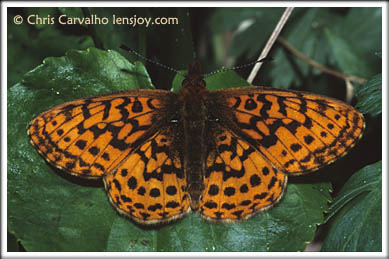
x,y
264,135
150,185
119,137
92,136
239,182
297,132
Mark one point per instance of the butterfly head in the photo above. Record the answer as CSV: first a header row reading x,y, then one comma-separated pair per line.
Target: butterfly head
x,y
193,84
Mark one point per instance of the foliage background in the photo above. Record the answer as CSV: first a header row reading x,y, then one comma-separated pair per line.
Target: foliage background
x,y
50,211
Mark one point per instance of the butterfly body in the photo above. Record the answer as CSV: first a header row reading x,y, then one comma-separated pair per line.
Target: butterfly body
x,y
225,153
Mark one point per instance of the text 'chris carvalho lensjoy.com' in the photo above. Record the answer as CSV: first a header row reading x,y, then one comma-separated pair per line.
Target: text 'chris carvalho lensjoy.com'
x,y
95,19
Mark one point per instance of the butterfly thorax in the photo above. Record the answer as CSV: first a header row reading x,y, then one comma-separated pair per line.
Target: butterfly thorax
x,y
193,87
193,95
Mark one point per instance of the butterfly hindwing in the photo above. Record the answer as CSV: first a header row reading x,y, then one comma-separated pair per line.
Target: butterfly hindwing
x,y
150,185
238,181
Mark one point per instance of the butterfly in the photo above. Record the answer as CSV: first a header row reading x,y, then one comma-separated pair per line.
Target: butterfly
x,y
226,154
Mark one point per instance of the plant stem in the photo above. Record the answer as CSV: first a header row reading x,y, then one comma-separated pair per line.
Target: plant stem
x,y
270,43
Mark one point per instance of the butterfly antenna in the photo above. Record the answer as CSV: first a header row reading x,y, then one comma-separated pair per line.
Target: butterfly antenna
x,y
237,67
124,47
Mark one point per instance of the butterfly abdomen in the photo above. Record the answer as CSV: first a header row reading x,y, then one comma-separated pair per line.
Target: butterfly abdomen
x,y
193,114
193,94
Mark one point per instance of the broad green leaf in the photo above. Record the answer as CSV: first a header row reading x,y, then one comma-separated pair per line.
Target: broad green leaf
x,y
370,96
287,227
49,210
356,222
45,211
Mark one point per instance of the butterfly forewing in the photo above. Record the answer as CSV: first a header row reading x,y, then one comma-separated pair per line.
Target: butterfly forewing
x,y
92,136
296,132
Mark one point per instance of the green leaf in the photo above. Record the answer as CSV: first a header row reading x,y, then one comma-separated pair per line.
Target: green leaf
x,y
362,29
90,72
356,213
370,96
49,210
220,80
346,57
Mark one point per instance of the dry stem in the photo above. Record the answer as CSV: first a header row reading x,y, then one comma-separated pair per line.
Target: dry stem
x,y
270,43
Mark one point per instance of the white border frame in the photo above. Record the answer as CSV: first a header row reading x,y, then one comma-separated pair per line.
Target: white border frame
x,y
6,4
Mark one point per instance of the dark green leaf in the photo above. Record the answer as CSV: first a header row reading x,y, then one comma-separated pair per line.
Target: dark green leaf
x,y
370,96
346,57
362,29
356,213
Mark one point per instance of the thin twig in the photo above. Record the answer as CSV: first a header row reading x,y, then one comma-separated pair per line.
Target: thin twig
x,y
319,66
270,43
